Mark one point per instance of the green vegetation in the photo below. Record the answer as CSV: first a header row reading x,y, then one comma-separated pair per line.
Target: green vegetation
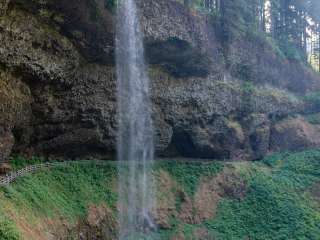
x,y
302,169
278,203
62,192
269,211
313,98
248,87
65,191
290,51
110,4
188,175
8,230
313,118
290,24
19,162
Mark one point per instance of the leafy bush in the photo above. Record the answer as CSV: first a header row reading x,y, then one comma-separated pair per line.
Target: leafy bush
x,y
248,87
19,162
291,51
313,98
306,162
8,230
276,206
270,211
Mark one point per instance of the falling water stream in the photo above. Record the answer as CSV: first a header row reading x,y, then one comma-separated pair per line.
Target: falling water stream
x,y
135,135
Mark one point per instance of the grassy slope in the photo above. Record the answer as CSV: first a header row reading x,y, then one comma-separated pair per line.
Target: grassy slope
x,y
278,205
63,192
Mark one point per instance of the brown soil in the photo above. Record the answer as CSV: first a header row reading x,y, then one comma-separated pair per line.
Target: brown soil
x,y
100,224
227,184
166,199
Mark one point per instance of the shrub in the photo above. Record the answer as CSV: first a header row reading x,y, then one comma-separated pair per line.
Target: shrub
x,y
277,205
314,99
8,230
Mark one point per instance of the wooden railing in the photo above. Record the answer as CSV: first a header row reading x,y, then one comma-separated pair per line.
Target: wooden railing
x,y
11,177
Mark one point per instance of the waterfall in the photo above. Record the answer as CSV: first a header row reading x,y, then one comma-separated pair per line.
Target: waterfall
x,y
135,135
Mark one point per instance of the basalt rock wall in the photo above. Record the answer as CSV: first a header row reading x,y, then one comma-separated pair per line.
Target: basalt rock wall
x,y
58,84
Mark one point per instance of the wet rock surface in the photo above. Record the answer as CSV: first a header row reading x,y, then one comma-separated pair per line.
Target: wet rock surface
x,y
58,86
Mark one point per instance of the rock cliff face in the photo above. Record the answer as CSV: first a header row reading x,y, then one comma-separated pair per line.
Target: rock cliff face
x,y
57,84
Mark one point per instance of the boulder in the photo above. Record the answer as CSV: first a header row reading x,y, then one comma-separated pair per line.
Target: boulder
x,y
294,134
5,168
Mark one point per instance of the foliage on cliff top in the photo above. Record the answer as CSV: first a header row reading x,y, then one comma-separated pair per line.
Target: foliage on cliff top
x,y
276,19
